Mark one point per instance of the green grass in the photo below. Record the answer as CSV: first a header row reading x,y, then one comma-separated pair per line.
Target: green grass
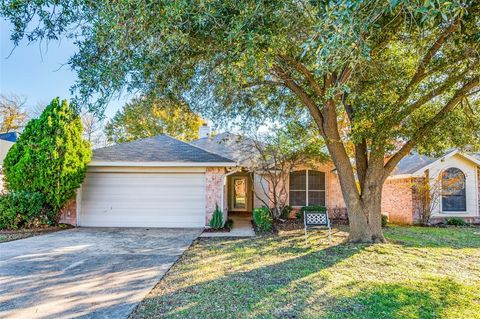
x,y
421,273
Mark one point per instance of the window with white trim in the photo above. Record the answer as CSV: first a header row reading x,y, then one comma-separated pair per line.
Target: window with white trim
x,y
453,190
307,187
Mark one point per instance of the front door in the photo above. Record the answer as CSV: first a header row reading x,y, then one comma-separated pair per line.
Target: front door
x,y
239,193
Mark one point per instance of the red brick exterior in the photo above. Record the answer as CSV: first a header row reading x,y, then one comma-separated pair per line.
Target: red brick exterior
x,y
397,200
68,214
400,200
214,178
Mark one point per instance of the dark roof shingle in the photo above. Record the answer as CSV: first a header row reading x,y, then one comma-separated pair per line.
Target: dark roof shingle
x,y
160,148
10,136
239,148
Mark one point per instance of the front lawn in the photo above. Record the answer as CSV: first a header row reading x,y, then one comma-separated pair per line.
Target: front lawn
x,y
421,273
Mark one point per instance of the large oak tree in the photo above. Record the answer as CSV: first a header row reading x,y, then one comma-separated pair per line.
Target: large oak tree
x,y
379,78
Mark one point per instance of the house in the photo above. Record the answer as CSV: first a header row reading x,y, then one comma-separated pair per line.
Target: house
x,y
454,181
163,182
6,142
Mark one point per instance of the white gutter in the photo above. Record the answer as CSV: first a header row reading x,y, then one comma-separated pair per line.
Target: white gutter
x,y
162,164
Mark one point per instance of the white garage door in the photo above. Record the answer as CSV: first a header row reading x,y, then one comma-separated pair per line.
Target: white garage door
x,y
143,200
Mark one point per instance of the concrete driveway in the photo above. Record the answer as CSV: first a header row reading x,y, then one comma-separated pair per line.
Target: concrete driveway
x,y
86,272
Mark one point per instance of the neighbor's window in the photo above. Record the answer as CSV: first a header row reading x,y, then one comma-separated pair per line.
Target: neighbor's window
x,y
453,190
307,188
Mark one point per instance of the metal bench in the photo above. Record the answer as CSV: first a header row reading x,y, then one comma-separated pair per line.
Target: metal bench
x,y
315,219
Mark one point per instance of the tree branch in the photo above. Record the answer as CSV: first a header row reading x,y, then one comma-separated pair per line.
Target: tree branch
x,y
420,74
425,129
304,97
433,93
308,75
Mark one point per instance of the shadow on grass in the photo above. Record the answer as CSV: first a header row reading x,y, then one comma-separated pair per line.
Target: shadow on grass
x,y
426,300
279,290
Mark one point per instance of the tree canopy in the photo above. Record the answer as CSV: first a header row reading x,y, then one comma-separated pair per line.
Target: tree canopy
x,y
379,78
50,157
142,118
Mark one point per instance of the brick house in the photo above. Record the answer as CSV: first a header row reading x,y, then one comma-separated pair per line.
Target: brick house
x,y
163,182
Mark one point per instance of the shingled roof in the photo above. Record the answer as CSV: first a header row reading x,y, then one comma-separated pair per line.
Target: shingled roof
x,y
239,148
10,136
160,148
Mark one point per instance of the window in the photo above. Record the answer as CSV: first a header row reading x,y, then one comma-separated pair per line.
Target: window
x,y
453,190
307,188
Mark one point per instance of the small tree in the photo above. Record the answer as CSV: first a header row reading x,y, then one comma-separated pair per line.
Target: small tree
x,y
146,117
50,156
429,192
12,113
277,153
217,218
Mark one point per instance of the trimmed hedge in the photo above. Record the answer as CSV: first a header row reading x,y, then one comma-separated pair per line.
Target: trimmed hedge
x,y
23,210
310,208
262,219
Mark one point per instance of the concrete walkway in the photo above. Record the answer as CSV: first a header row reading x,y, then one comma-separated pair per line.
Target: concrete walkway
x,y
242,226
86,272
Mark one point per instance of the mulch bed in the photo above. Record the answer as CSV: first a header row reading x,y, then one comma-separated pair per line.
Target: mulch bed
x,y
217,230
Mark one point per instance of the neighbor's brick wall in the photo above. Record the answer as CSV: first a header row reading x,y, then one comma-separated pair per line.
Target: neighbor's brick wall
x,y
68,214
213,192
398,200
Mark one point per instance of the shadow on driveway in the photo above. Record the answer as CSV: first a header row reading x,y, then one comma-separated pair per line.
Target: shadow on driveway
x,y
86,272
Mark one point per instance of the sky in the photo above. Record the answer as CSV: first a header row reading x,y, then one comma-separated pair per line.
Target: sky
x,y
38,71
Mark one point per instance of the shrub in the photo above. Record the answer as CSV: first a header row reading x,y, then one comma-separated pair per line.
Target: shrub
x,y
285,214
310,208
384,220
229,223
456,221
50,156
22,209
217,218
262,219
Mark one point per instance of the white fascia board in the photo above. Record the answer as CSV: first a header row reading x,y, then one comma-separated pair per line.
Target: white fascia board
x,y
420,171
163,164
452,153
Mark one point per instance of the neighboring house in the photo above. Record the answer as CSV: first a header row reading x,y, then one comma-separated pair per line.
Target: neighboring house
x,y
455,177
163,182
6,141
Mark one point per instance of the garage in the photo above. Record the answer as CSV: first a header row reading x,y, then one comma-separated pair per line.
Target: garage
x,y
143,200
152,182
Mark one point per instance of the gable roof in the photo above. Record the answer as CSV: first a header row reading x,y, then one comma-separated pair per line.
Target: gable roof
x,y
239,148
10,136
415,163
160,148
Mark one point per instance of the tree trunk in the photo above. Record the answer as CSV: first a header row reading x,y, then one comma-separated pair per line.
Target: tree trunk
x,y
365,218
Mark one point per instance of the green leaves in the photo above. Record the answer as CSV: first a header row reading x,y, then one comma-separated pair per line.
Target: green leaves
x,y
50,157
146,118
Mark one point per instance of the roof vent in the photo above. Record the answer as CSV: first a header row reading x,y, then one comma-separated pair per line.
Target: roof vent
x,y
204,131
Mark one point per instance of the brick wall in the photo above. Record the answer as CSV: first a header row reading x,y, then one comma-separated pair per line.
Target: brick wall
x,y
68,214
399,201
213,192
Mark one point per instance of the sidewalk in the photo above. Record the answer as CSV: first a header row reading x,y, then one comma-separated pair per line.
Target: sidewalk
x,y
242,226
